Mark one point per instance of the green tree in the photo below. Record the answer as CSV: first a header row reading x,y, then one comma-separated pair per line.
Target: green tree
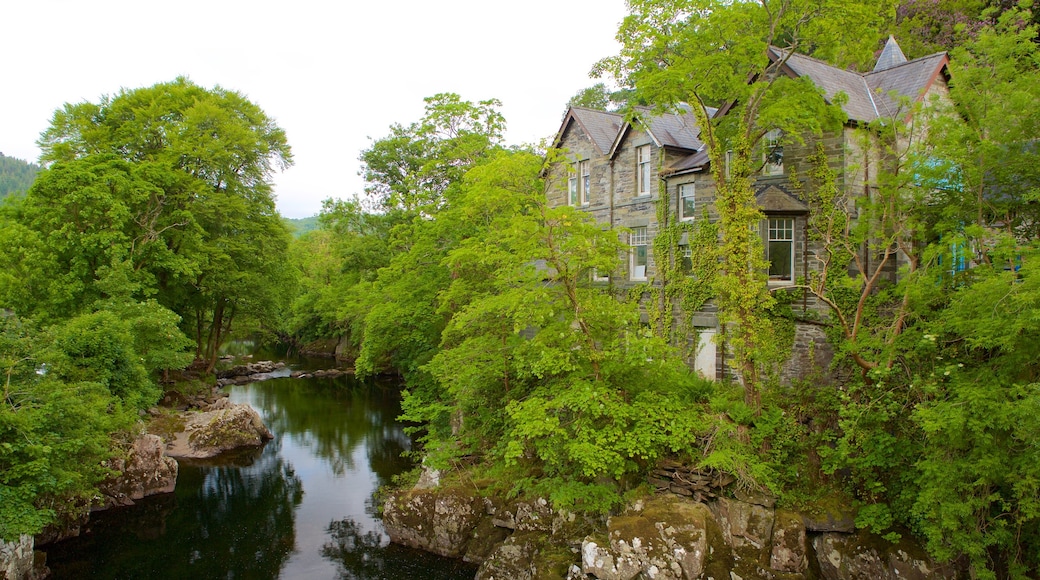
x,y
177,178
413,167
67,393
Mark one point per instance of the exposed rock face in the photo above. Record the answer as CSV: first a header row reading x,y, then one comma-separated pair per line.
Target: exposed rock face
x,y
790,551
666,536
529,556
441,522
860,557
223,426
16,559
146,471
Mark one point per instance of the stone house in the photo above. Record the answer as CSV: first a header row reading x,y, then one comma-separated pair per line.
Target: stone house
x,y
616,169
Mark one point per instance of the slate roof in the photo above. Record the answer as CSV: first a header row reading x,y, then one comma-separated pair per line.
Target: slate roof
x,y
674,130
891,56
602,127
875,94
694,162
677,130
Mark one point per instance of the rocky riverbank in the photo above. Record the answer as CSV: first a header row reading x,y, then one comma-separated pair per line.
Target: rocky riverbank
x,y
662,536
197,427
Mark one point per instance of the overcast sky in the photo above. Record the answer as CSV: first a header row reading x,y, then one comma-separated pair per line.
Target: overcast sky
x,y
332,74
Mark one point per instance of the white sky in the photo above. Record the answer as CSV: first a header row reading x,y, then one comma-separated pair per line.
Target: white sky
x,y
333,74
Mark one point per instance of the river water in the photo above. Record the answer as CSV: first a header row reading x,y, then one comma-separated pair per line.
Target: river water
x,y
302,507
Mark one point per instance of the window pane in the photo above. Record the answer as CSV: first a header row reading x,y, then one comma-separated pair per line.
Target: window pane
x,y
583,168
638,241
643,169
572,187
687,206
780,255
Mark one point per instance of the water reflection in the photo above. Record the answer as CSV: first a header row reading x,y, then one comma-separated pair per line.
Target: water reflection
x,y
364,554
300,508
226,522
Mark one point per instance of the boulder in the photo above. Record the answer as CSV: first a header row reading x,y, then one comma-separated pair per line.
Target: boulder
x,y
145,471
664,537
747,528
222,427
441,521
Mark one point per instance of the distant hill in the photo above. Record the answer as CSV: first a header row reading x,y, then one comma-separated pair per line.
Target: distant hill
x,y
16,175
300,226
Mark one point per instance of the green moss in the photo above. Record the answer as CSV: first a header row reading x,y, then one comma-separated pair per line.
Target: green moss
x,y
166,425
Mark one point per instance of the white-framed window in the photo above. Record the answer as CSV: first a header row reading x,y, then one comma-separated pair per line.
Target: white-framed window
x,y
687,204
773,153
598,276
686,259
638,260
780,249
572,190
585,183
643,170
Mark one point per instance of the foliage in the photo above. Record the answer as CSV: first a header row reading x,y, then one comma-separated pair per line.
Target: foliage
x,y
162,191
63,399
979,470
413,167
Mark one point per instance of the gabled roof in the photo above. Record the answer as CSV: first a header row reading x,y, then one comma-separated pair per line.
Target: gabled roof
x,y
872,95
607,130
601,127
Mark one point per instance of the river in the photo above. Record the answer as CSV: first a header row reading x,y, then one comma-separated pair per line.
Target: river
x,y
302,507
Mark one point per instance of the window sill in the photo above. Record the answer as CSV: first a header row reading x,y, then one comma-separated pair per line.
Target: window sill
x,y
780,283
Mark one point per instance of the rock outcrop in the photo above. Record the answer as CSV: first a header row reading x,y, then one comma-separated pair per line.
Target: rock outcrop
x,y
145,471
666,536
220,427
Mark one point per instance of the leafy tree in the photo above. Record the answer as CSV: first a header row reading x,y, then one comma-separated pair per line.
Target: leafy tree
x,y
63,401
173,180
412,167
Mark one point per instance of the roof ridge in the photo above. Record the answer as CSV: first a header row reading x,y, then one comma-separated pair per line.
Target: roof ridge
x,y
823,62
916,60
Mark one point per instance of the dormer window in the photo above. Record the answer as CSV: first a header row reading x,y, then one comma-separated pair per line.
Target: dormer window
x,y
773,153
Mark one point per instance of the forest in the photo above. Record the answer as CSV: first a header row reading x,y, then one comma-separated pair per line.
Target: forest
x,y
150,238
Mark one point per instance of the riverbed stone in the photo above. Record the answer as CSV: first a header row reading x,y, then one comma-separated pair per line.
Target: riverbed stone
x,y
441,521
145,471
222,427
